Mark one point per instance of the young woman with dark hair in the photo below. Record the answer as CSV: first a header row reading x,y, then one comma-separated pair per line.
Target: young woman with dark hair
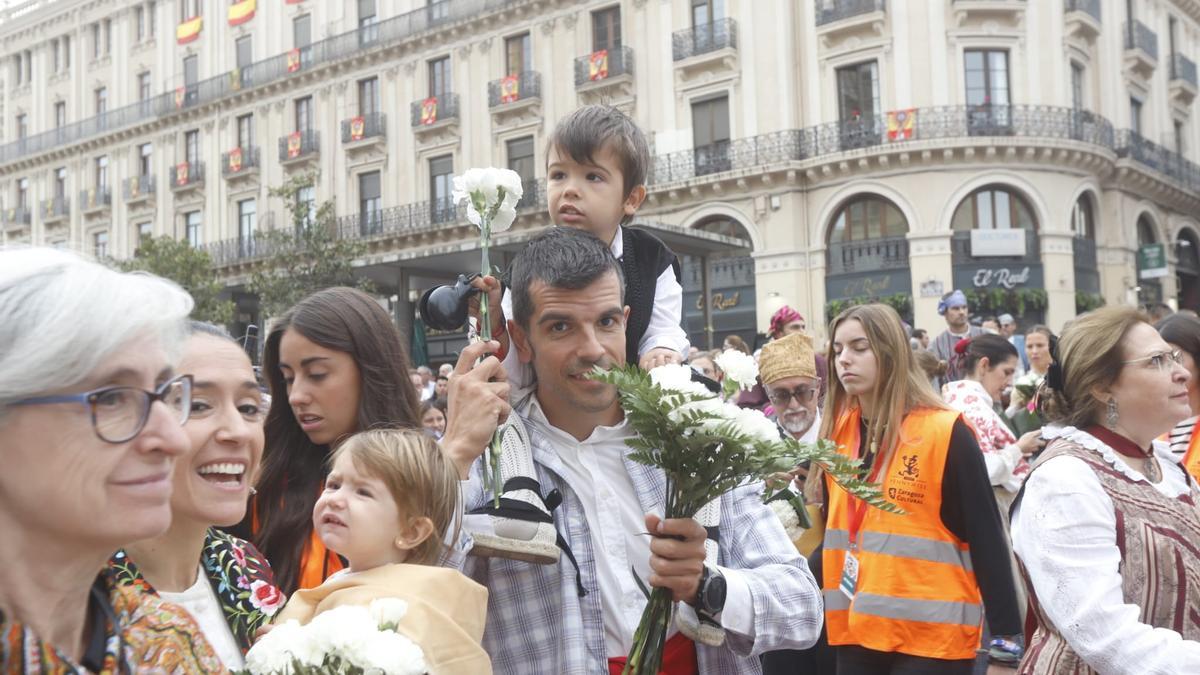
x,y
336,365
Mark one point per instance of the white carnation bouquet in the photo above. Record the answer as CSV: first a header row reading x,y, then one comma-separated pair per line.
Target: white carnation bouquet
x,y
349,640
491,196
708,447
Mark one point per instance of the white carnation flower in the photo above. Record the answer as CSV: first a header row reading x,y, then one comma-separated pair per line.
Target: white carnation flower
x,y
788,518
391,653
276,650
675,377
481,188
387,611
753,423
342,631
739,367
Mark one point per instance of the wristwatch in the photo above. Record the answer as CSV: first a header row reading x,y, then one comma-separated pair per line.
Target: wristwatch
x,y
711,597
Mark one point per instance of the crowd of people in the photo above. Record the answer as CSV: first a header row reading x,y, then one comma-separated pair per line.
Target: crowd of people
x,y
161,514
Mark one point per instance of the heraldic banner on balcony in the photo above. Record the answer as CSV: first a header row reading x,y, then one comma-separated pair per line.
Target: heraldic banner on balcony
x,y
134,187
598,65
429,110
189,30
235,160
293,60
179,93
357,128
901,124
510,89
181,174
241,12
293,145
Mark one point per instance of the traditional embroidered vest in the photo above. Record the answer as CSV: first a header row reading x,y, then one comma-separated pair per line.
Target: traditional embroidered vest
x,y
916,591
1159,541
643,259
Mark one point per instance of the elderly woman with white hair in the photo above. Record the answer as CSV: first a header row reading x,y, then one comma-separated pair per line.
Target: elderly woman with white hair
x,y
90,417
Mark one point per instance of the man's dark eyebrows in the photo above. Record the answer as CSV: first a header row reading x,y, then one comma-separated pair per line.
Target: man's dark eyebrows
x,y
614,311
553,317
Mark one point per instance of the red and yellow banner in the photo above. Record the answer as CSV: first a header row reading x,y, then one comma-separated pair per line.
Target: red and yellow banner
x,y
181,173
293,60
241,12
134,186
358,127
189,30
293,145
179,94
901,124
510,89
235,160
598,65
429,110
235,79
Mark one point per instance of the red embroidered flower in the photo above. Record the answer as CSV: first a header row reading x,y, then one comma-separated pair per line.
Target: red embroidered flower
x,y
265,597
239,556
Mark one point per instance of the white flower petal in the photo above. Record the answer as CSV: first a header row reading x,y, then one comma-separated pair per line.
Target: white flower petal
x,y
738,366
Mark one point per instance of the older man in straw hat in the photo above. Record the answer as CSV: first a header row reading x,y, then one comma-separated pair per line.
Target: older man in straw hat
x,y
788,369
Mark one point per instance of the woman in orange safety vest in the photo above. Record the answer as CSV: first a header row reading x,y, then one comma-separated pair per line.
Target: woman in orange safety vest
x,y
906,593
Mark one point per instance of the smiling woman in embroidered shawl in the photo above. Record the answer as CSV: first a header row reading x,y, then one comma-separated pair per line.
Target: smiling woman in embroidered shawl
x,y
90,415
223,581
1106,526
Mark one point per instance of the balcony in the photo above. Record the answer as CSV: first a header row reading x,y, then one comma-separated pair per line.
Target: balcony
x,y
605,74
1151,155
1183,80
17,218
705,48
1082,18
516,97
978,11
990,120
187,176
55,210
1141,49
95,200
364,131
299,146
872,255
138,189
840,18
435,117
240,163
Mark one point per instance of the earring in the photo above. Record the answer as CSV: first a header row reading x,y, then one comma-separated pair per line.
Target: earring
x,y
1110,419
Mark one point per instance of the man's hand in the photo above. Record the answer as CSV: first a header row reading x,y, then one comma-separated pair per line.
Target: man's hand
x,y
659,356
676,556
491,285
478,403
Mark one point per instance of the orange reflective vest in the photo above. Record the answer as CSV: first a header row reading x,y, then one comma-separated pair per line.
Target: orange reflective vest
x,y
916,593
1191,460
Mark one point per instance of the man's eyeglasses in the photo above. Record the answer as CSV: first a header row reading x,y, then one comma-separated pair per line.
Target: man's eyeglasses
x,y
1162,361
781,397
119,413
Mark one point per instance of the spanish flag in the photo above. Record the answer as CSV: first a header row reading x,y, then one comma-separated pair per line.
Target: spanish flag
x,y
293,145
901,124
189,30
293,60
598,65
181,173
235,160
429,110
241,12
357,128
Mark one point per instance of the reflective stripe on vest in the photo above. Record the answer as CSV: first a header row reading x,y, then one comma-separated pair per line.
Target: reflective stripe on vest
x,y
906,609
901,546
1191,460
916,591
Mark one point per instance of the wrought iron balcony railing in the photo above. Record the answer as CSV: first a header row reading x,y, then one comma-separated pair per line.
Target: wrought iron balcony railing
x,y
18,215
95,198
136,187
239,161
1183,68
434,109
519,87
364,126
829,11
602,65
187,174
1132,145
887,253
56,207
708,37
1090,7
1139,36
299,144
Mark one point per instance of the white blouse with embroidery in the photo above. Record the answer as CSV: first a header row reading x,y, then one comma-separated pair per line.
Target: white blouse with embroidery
x,y
1006,465
1065,533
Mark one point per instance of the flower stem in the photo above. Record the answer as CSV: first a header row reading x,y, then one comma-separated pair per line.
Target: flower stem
x,y
485,334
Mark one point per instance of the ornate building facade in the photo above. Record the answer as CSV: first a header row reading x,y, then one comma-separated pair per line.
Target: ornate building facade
x,y
1036,153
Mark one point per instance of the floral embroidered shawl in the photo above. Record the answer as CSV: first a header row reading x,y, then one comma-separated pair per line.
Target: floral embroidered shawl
x,y
149,635
237,572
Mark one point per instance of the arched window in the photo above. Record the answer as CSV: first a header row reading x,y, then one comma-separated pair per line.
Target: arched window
x,y
1083,224
993,207
1187,251
724,226
1146,230
867,217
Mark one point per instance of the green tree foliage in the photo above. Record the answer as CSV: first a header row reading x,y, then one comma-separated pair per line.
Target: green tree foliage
x,y
305,257
189,267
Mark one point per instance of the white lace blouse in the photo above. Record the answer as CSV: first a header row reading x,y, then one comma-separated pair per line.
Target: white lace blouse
x,y
1064,532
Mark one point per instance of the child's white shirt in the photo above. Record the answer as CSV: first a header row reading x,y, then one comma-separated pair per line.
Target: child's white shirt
x,y
665,329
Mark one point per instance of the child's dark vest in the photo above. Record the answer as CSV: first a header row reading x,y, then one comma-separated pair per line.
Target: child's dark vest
x,y
643,259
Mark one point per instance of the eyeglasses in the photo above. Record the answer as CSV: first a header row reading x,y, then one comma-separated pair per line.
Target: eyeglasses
x,y
782,397
119,413
1162,361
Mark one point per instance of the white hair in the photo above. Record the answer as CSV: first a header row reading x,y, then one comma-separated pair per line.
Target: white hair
x,y
62,315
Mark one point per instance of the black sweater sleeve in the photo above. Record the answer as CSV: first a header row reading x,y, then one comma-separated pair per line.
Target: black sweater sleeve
x,y
970,512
